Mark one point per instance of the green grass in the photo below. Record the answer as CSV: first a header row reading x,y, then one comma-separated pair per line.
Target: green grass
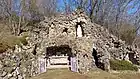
x,y
122,65
94,74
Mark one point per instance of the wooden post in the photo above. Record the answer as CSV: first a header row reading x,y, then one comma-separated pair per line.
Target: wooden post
x,y
74,67
42,64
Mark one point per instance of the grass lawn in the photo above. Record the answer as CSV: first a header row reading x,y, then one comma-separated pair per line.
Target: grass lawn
x,y
96,74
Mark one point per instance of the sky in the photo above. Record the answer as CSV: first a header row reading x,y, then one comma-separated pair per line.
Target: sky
x,y
61,6
132,9
60,3
16,5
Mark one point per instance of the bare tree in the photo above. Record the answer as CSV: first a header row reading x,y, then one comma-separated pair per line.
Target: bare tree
x,y
47,7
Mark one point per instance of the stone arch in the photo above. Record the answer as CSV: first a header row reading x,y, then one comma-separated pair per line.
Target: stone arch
x,y
59,56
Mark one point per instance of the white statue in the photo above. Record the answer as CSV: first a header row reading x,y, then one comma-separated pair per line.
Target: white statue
x,y
79,31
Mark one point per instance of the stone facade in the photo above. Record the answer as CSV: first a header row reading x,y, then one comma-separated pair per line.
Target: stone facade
x,y
62,31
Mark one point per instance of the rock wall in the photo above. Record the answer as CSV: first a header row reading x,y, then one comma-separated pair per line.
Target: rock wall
x,y
18,64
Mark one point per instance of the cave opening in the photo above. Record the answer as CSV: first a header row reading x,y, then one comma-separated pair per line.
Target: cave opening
x,y
97,60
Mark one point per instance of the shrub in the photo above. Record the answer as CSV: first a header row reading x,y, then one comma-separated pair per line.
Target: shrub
x,y
122,65
127,33
9,41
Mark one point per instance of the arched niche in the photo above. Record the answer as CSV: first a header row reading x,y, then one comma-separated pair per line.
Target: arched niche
x,y
59,56
79,29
